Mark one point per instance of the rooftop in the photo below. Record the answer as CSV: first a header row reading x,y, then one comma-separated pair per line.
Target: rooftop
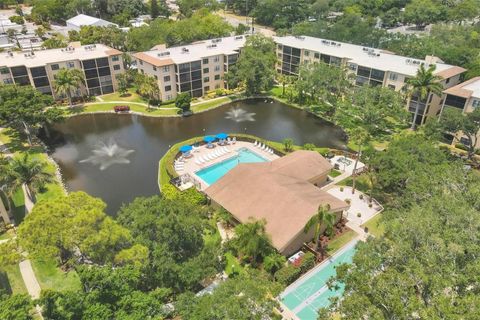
x,y
195,51
85,20
276,191
43,57
467,89
365,56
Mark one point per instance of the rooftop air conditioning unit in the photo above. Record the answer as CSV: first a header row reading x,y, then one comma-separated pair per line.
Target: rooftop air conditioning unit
x,y
238,37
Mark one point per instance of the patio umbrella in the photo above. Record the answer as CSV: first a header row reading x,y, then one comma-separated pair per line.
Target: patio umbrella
x,y
209,139
185,148
222,136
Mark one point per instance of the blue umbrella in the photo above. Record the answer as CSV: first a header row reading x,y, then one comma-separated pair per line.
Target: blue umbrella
x,y
222,136
209,139
185,148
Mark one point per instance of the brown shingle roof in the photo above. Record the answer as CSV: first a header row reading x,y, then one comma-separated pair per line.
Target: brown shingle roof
x,y
113,52
274,192
450,72
459,91
153,61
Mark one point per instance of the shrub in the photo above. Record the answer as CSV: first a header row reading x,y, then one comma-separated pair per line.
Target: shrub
x,y
461,146
359,214
170,192
348,201
341,189
287,144
360,196
288,274
183,101
17,19
308,262
309,146
273,262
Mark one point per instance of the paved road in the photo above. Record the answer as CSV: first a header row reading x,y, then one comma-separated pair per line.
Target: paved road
x,y
235,20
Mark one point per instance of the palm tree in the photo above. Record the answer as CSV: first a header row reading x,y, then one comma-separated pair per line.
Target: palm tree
x,y
252,240
421,85
67,80
360,137
323,217
149,88
26,170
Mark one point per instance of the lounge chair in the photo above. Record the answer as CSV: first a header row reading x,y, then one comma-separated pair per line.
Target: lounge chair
x,y
229,140
255,144
234,140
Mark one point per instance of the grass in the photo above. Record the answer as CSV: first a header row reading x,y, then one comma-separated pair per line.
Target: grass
x,y
108,107
7,234
50,276
338,242
361,184
375,226
131,96
232,264
11,279
212,104
334,173
18,201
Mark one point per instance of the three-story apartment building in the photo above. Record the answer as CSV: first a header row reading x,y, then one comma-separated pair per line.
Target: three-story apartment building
x,y
464,97
370,66
100,64
196,68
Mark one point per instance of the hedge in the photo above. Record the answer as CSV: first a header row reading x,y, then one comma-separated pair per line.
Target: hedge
x,y
290,273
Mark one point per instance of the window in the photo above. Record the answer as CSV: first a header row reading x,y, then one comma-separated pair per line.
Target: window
x,y
447,81
102,62
206,89
217,68
206,70
476,103
316,55
7,81
216,59
116,67
154,68
70,64
55,67
115,58
306,53
166,78
377,74
168,88
4,71
205,61
141,62
217,77
206,79
393,76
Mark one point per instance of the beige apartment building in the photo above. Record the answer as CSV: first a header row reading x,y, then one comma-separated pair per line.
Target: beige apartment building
x,y
196,68
100,64
371,66
464,97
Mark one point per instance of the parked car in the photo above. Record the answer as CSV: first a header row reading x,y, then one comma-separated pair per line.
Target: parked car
x,y
121,108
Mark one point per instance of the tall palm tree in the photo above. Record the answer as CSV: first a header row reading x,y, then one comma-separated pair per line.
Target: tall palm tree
x,y
421,85
252,240
29,171
67,80
323,217
360,137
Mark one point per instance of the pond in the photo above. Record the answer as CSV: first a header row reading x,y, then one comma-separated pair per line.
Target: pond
x,y
115,157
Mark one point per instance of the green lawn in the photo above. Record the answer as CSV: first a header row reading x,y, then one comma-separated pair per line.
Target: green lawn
x,y
211,104
51,277
361,183
338,242
108,107
375,226
18,206
11,279
131,96
334,173
7,234
232,264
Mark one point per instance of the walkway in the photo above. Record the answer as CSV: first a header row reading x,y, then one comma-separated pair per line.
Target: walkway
x,y
33,287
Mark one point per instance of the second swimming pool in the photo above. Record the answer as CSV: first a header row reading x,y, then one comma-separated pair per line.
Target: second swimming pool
x,y
305,296
211,174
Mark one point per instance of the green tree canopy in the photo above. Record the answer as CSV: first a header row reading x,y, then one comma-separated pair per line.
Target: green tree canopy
x,y
255,66
72,226
468,125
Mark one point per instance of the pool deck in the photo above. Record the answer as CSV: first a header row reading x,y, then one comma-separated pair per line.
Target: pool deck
x,y
190,167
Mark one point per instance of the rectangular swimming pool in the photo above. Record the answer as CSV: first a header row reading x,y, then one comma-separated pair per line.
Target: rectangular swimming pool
x,y
311,293
211,174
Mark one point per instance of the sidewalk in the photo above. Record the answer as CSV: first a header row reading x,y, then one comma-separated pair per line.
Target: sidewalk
x,y
31,283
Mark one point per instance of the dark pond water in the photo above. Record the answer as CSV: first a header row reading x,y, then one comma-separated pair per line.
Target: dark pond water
x,y
115,157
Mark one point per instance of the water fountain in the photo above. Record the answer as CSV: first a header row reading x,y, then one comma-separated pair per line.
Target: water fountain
x,y
107,154
239,115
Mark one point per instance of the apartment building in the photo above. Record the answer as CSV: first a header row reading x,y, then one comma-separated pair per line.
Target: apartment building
x,y
100,64
370,66
464,97
196,68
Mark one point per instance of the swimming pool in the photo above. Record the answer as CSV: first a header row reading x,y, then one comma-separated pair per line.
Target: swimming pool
x,y
311,293
211,174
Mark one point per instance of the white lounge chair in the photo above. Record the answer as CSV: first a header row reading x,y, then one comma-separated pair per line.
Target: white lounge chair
x,y
229,140
255,144
197,162
271,151
234,140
